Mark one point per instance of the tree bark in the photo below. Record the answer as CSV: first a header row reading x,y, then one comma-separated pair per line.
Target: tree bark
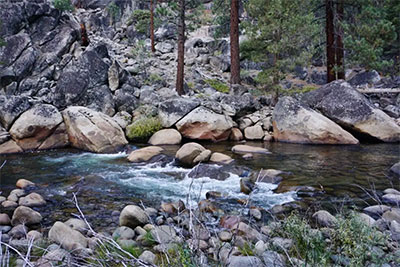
x,y
339,41
153,48
234,38
330,41
181,49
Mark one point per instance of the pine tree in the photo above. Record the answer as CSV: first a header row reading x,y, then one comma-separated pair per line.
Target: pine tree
x,y
281,34
181,49
234,40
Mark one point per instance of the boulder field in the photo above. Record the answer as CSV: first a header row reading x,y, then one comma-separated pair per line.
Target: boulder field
x,y
334,114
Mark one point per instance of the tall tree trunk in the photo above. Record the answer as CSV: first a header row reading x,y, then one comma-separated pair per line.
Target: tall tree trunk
x,y
330,41
339,41
153,48
234,38
181,48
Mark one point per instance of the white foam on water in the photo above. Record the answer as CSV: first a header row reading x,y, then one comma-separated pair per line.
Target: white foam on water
x,y
86,156
157,181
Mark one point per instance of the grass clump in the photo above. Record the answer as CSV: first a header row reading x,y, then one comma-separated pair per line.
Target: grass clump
x,y
143,128
247,249
180,255
217,85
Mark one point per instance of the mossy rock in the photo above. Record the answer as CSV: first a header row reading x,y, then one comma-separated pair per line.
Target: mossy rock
x,y
143,128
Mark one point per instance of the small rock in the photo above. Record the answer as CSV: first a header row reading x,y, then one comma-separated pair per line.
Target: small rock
x,y
273,259
282,243
254,132
68,238
5,228
4,219
247,156
392,199
241,261
144,154
217,157
23,183
197,244
189,154
256,214
376,210
236,135
140,231
392,215
324,218
133,216
32,200
148,256
34,235
123,232
152,212
163,234
2,199
259,248
25,215
391,191
249,149
18,231
368,220
246,185
77,224
268,137
225,236
396,168
18,193
229,221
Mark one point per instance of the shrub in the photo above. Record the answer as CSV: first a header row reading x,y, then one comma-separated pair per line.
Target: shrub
x,y
114,11
143,128
63,5
217,85
141,20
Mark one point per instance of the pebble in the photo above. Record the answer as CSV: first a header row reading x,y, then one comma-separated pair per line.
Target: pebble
x,y
4,219
9,204
23,183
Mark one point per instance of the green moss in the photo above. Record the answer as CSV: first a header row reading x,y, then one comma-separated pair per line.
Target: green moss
x,y
180,255
153,78
247,249
148,239
143,128
217,85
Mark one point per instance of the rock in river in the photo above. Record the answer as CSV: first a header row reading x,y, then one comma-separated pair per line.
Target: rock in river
x,y
352,110
93,131
192,153
144,154
295,123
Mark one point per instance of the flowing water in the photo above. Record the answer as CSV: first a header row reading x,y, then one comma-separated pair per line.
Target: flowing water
x,y
106,182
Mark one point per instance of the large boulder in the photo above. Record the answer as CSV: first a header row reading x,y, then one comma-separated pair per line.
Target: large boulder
x,y
295,123
192,153
204,124
11,107
67,237
353,111
171,111
166,137
93,131
35,125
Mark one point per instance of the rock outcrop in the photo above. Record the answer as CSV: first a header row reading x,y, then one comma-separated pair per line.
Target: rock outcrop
x,y
353,111
93,131
295,123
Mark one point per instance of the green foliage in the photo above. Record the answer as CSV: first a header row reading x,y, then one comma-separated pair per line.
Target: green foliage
x,y
247,249
221,18
114,11
309,244
141,19
153,78
148,239
217,85
355,240
282,33
351,240
108,254
367,32
63,5
180,255
135,251
143,128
